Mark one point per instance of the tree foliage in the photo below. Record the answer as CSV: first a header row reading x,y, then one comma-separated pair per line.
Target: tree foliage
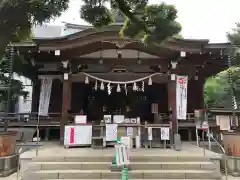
x,y
149,23
18,16
5,82
16,20
234,35
218,90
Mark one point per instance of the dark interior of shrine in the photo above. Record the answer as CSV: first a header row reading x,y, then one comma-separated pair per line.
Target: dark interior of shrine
x,y
96,103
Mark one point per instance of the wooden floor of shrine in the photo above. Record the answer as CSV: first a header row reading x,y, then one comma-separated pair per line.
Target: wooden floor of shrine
x,y
47,123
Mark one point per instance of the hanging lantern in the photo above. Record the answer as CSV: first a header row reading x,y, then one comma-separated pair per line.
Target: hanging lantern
x,y
150,81
102,86
96,85
86,80
104,108
127,108
118,88
134,86
142,86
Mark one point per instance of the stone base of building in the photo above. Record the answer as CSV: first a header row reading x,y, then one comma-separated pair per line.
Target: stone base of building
x,y
8,165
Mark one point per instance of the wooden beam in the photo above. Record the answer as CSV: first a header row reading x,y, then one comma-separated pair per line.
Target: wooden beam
x,y
66,101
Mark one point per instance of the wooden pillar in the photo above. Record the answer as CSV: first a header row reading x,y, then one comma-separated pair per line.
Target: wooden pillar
x,y
189,134
172,102
47,132
197,90
201,83
35,95
70,93
66,101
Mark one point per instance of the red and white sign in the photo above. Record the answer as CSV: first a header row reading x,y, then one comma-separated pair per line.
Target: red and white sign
x,y
78,135
202,125
181,96
72,135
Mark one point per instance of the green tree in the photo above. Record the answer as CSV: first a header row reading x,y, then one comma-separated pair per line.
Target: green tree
x,y
218,91
18,16
16,20
234,35
149,23
16,87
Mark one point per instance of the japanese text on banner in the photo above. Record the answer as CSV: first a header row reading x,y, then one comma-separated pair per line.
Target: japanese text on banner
x,y
44,99
181,96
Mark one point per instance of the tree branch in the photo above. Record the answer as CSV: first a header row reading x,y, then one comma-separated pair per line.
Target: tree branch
x,y
126,10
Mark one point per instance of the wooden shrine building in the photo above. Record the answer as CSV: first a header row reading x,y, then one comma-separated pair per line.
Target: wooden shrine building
x,y
80,61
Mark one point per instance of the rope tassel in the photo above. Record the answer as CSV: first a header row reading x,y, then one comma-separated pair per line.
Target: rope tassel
x,y
109,89
143,86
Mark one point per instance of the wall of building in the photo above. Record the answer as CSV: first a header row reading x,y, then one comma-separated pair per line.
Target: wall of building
x,y
195,95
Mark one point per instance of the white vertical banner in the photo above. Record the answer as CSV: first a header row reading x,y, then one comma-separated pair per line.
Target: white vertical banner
x,y
181,96
45,94
150,136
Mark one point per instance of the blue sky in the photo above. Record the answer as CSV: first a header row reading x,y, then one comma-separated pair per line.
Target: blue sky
x,y
200,19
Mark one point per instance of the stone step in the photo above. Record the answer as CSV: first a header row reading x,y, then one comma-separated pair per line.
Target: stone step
x,y
135,174
145,158
132,166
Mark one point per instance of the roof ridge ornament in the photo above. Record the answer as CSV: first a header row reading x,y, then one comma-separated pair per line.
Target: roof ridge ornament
x,y
120,43
65,64
119,69
57,52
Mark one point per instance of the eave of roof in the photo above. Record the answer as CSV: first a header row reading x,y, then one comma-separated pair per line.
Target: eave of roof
x,y
112,28
223,110
201,44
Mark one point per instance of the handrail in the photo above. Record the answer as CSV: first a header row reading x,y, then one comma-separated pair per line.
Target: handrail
x,y
37,128
123,156
224,154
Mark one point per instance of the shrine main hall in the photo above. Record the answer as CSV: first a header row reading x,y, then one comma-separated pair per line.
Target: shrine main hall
x,y
95,72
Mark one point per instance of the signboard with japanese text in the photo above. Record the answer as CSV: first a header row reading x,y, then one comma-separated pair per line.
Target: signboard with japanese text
x,y
45,94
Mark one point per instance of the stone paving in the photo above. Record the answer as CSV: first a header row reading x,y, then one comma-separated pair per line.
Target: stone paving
x,y
14,177
55,149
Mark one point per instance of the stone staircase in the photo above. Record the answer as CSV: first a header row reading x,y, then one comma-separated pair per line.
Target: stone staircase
x,y
141,167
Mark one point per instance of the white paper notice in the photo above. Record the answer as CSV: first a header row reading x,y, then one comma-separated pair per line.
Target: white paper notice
x,y
165,133
111,132
150,138
130,131
118,119
80,119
